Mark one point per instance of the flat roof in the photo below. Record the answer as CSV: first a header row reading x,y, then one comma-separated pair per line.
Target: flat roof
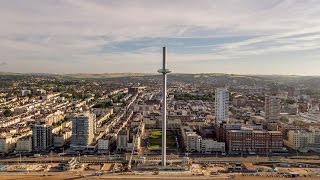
x,y
107,167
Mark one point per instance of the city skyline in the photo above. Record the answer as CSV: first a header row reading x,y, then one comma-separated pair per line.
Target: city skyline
x,y
239,37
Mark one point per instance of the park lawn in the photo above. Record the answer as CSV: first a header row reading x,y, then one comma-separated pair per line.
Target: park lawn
x,y
155,140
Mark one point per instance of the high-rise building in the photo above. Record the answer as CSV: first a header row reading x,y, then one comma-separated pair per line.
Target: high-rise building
x,y
221,105
82,130
41,137
272,110
122,140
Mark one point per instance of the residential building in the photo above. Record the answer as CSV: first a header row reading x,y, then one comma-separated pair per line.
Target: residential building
x,y
221,105
24,144
195,143
122,139
209,145
41,137
239,102
82,130
292,109
298,139
6,144
272,111
62,137
304,140
105,142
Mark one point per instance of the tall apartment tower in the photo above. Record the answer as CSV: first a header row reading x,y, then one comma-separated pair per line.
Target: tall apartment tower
x,y
272,110
82,130
122,139
41,137
221,105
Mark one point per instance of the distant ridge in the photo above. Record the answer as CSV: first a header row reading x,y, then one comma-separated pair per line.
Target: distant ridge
x,y
195,75
104,75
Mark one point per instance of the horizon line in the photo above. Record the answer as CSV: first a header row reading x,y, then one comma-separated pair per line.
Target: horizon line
x,y
149,73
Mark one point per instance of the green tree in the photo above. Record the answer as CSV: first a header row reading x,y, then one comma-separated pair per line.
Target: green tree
x,y
7,113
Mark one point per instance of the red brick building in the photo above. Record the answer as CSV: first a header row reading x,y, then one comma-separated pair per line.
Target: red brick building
x,y
248,141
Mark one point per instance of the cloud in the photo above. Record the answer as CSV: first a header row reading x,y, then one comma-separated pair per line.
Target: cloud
x,y
72,33
3,63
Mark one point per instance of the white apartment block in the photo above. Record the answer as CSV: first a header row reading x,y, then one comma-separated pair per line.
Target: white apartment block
x,y
82,130
221,105
195,143
209,145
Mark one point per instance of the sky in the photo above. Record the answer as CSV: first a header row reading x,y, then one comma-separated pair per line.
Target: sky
x,y
202,36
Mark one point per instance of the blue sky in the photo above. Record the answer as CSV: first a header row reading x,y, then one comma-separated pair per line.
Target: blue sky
x,y
96,36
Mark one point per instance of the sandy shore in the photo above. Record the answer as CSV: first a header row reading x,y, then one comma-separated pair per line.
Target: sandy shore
x,y
74,177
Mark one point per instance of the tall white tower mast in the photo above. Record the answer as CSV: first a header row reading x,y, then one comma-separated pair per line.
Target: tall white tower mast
x,y
164,73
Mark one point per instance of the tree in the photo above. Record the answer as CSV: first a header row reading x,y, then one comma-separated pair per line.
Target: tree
x,y
7,113
299,123
284,119
290,101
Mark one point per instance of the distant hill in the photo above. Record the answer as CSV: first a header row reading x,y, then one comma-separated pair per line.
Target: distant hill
x,y
9,73
198,76
101,76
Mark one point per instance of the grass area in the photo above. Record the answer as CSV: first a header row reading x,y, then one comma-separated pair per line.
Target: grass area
x,y
155,140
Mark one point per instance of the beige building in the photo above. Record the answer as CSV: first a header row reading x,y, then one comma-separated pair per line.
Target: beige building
x,y
24,144
195,143
6,144
61,138
298,139
304,140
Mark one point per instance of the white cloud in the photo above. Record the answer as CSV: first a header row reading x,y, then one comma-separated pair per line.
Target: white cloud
x,y
72,31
